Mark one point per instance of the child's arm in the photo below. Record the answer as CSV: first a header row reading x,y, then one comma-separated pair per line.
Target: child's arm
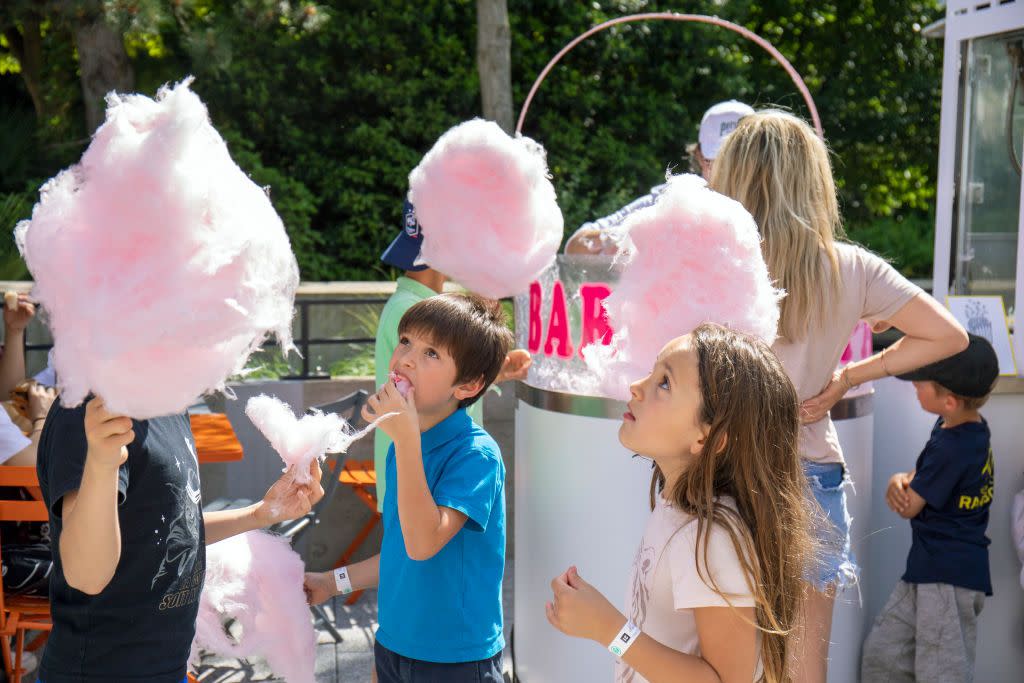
x,y
284,500
17,316
728,638
914,503
321,586
90,540
901,499
426,526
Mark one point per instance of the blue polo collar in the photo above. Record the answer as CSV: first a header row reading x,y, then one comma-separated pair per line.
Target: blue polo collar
x,y
456,424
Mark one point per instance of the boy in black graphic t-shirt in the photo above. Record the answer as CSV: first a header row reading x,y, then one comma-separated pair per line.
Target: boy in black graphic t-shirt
x,y
928,629
129,537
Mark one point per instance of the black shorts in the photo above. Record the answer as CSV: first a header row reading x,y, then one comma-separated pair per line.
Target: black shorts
x,y
394,668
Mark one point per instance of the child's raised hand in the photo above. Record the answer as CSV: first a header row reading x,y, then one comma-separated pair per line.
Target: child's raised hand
x,y
287,499
404,423
318,586
107,434
18,311
896,496
580,610
517,363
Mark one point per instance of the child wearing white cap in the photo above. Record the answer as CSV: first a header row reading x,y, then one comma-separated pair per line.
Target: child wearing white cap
x,y
601,237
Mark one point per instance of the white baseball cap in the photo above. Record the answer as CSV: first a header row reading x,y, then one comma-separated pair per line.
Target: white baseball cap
x,y
718,122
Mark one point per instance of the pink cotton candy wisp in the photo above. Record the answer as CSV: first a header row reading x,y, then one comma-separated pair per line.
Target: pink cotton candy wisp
x,y
255,579
487,208
159,264
694,257
299,441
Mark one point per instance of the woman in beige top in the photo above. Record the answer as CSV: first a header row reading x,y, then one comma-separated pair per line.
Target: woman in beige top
x,y
778,168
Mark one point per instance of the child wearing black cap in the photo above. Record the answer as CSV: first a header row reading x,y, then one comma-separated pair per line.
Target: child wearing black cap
x,y
927,631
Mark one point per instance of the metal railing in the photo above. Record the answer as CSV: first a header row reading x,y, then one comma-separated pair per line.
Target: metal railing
x,y
303,341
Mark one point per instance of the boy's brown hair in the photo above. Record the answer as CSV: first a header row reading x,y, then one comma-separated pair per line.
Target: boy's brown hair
x,y
470,328
967,402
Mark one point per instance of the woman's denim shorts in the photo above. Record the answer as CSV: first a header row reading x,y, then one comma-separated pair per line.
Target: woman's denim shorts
x,y
834,564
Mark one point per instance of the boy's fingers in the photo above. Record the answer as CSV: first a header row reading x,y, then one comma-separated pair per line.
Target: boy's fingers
x,y
549,611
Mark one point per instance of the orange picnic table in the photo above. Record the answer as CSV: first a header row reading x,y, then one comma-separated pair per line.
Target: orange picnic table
x,y
215,438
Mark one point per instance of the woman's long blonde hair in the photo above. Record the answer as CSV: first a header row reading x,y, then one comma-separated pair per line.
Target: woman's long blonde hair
x,y
777,167
751,408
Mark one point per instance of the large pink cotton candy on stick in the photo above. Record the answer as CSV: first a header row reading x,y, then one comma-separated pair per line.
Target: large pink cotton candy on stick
x,y
255,579
487,208
160,265
695,256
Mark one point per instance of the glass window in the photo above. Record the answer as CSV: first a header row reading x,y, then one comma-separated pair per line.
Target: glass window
x,y
989,185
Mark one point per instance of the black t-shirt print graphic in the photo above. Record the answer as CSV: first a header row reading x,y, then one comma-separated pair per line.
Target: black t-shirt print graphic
x,y
140,627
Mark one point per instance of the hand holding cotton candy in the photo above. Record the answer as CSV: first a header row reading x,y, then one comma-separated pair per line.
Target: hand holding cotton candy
x,y
299,441
160,264
487,208
694,257
256,579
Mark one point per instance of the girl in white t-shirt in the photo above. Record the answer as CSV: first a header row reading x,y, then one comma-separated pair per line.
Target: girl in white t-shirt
x,y
716,580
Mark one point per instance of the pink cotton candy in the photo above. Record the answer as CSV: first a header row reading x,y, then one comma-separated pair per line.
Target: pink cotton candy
x,y
401,383
160,265
256,580
487,208
694,257
299,441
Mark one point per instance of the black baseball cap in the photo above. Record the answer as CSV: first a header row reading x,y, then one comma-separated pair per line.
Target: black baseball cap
x,y
970,373
405,249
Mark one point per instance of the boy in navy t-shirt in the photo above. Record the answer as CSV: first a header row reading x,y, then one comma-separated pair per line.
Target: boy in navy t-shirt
x,y
928,629
442,559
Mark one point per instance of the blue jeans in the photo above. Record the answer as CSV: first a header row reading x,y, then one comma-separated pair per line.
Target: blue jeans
x,y
835,563
394,668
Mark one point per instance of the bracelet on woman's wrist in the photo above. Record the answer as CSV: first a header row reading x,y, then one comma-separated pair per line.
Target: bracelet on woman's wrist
x,y
881,357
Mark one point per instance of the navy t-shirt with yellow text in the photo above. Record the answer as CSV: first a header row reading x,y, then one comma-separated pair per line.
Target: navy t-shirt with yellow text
x,y
956,477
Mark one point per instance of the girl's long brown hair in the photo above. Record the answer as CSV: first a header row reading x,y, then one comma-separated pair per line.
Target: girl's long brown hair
x,y
750,455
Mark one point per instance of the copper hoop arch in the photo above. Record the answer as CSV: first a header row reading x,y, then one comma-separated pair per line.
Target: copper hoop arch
x,y
673,16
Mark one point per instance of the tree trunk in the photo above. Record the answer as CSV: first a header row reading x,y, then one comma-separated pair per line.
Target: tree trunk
x,y
103,64
27,47
494,61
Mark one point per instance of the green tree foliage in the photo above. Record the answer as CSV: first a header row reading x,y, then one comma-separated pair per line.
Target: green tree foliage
x,y
332,104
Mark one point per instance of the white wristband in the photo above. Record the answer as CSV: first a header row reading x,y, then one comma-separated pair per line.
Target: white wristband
x,y
341,580
624,640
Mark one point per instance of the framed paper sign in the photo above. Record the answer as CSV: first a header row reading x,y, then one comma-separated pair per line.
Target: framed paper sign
x,y
985,316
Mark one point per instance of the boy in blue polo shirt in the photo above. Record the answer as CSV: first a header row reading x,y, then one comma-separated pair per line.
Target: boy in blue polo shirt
x,y
441,563
928,629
